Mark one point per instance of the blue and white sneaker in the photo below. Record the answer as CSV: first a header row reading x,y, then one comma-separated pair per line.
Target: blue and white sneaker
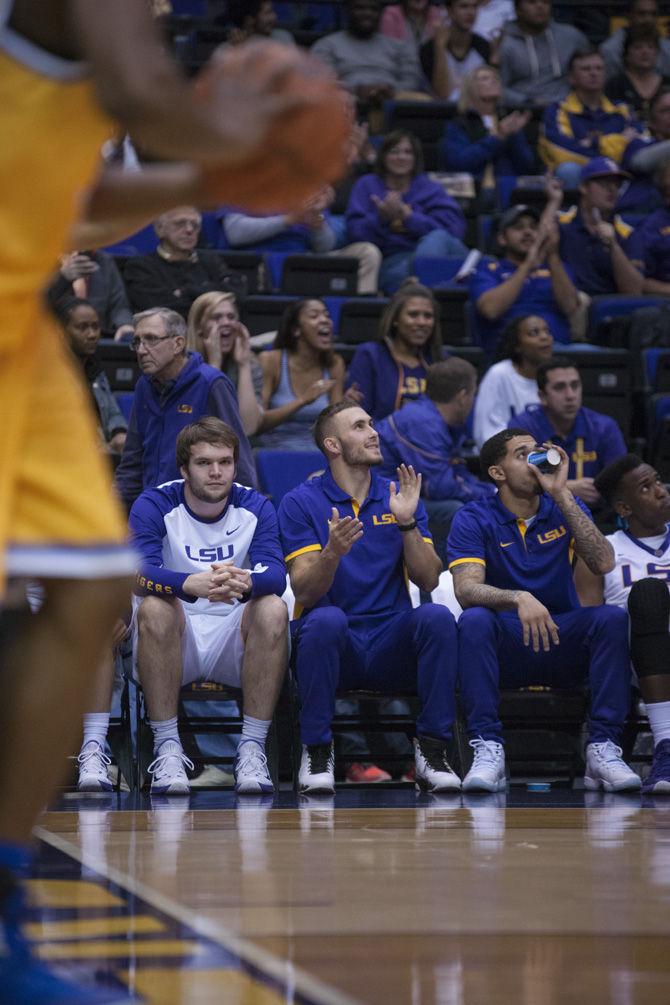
x,y
93,764
658,779
606,769
487,773
251,769
167,769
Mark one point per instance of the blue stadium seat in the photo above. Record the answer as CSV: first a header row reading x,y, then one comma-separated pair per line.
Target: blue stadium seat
x,y
274,261
125,402
359,319
189,8
263,313
471,323
334,305
659,410
212,231
279,471
604,309
313,275
656,370
505,185
323,16
485,234
607,380
144,241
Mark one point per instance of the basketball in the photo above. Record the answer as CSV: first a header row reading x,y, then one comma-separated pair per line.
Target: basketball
x,y
306,143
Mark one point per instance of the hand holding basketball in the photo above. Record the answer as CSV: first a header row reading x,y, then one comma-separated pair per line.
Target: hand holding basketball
x,y
293,123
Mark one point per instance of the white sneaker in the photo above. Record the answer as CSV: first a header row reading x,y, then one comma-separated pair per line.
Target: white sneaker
x,y
317,768
487,773
433,771
169,777
93,763
251,769
606,768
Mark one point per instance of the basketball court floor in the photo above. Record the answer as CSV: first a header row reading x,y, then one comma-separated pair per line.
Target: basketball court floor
x,y
372,896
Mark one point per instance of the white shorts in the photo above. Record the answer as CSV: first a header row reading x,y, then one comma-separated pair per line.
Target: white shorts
x,y
212,648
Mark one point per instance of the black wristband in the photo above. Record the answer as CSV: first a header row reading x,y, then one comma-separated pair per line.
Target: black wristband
x,y
404,528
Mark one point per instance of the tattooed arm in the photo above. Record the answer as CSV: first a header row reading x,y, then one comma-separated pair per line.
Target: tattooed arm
x,y
472,591
590,545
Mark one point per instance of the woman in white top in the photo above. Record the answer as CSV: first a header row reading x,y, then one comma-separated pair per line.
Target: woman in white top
x,y
510,384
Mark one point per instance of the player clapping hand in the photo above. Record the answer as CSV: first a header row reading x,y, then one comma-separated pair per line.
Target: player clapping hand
x,y
404,497
343,532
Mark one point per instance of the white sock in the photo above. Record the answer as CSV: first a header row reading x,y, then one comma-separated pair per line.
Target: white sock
x,y
164,730
96,725
659,720
255,729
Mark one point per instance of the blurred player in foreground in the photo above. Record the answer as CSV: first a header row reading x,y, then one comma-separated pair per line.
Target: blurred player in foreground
x,y
58,520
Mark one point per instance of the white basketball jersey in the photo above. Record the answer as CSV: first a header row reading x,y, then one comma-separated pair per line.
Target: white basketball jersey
x,y
635,560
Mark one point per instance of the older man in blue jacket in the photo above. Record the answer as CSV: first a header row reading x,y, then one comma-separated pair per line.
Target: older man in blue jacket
x,y
430,434
175,389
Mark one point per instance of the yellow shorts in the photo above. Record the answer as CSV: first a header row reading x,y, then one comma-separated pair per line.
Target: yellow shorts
x,y
59,516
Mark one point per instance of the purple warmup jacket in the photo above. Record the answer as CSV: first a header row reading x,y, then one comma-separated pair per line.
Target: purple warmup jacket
x,y
432,209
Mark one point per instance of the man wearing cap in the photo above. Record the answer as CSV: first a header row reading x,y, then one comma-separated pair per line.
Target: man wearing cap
x,y
530,278
586,124
594,240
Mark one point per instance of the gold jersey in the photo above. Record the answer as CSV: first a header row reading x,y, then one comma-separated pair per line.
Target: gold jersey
x,y
57,512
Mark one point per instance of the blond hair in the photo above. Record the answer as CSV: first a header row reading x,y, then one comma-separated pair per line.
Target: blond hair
x,y
198,315
467,97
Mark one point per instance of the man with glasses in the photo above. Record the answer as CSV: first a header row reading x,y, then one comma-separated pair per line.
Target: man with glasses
x,y
175,273
176,388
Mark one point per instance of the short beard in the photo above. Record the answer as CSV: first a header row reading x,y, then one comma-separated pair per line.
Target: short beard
x,y
203,495
353,460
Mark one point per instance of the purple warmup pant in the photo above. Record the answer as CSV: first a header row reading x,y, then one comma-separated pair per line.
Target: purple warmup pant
x,y
593,650
414,650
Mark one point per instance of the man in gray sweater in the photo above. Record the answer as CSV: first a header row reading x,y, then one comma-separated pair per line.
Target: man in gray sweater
x,y
534,55
371,65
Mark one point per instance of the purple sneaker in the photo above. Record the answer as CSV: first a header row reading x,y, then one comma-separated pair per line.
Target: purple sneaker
x,y
658,779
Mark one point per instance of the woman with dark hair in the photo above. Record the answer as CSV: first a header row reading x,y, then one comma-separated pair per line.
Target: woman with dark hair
x,y
510,384
384,375
402,211
301,375
639,81
81,324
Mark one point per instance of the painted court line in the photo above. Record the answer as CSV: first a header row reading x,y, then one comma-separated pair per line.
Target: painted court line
x,y
292,979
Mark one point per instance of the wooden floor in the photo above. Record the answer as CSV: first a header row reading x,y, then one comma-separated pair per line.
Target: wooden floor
x,y
421,902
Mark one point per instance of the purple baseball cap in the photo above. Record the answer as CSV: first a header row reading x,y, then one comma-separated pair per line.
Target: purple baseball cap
x,y
602,167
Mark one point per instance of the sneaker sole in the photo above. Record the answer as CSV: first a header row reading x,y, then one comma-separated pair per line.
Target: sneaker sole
x,y
658,789
176,790
254,789
593,784
326,790
479,785
424,786
95,787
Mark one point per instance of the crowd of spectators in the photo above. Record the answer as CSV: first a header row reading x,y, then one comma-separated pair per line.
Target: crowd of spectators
x,y
584,131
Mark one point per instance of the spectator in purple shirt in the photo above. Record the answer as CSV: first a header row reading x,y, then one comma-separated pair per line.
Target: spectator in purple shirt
x,y
591,440
402,211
